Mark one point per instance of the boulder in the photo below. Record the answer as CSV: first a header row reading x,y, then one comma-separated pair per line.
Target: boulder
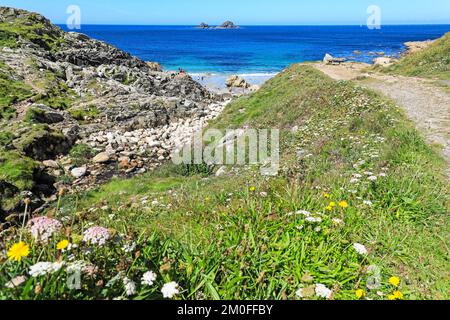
x,y
50,164
102,157
154,66
383,61
328,59
78,172
237,82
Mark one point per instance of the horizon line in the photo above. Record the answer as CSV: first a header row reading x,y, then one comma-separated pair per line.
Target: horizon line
x,y
262,25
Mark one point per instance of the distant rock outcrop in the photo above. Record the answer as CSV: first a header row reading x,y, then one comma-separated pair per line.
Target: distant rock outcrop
x,y
203,26
228,25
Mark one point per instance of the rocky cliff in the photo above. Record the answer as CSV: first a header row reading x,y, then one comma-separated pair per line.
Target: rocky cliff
x,y
75,111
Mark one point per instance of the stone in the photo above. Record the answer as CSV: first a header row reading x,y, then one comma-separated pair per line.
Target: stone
x,y
154,66
236,82
102,157
50,164
78,172
222,171
328,59
383,61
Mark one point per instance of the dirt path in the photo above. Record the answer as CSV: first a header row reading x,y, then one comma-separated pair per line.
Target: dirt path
x,y
427,104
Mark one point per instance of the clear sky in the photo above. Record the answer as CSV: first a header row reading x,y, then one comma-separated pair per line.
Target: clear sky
x,y
243,12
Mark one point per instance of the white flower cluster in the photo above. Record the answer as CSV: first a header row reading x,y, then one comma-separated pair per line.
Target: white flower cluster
x,y
148,278
76,266
323,292
360,249
130,286
169,290
43,228
44,268
96,236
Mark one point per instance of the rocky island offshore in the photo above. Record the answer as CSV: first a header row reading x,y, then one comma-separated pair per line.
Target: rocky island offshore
x,y
225,25
78,111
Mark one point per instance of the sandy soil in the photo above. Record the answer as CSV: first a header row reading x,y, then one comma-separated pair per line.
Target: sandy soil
x,y
425,102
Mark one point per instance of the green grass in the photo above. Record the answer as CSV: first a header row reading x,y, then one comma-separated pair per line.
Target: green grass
x,y
232,237
30,29
432,62
17,169
81,154
83,113
11,91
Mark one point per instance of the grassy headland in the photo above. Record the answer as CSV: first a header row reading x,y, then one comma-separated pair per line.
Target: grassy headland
x,y
432,62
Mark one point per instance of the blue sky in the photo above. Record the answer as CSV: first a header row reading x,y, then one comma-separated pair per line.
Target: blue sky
x,y
244,12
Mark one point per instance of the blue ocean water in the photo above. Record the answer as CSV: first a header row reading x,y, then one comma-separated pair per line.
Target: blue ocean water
x,y
253,49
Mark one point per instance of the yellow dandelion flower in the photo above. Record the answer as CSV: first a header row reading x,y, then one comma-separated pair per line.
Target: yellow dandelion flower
x,y
18,251
332,204
252,189
343,204
63,244
329,208
398,295
326,196
391,297
360,294
395,281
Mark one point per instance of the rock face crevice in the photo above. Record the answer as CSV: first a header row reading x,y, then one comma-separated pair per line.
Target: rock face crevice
x,y
70,91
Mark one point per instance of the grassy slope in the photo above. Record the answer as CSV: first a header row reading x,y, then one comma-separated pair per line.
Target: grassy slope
x,y
433,62
220,239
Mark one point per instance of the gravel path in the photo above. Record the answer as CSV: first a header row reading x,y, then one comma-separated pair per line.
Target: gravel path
x,y
427,104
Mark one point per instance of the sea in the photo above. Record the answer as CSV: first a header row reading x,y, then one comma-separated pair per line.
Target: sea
x,y
256,52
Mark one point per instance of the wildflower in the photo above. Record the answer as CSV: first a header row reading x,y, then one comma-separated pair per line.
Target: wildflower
x,y
76,266
360,249
332,204
304,213
169,290
326,196
373,178
360,294
323,292
329,208
148,278
395,281
337,221
62,245
43,228
299,293
96,235
130,286
44,268
252,189
313,219
343,204
18,251
368,202
397,295
354,181
129,247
